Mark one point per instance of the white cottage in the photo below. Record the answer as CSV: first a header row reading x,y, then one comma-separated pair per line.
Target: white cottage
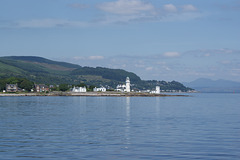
x,y
79,89
101,89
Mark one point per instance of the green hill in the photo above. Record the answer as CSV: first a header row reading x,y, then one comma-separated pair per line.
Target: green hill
x,y
42,70
41,60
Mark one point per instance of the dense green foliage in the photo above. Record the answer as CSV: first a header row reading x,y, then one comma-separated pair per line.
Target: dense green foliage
x,y
63,87
106,73
81,85
21,82
166,86
27,85
91,87
44,71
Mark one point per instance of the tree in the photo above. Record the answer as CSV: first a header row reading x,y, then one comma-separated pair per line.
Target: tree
x,y
63,87
14,80
26,84
91,87
2,84
82,85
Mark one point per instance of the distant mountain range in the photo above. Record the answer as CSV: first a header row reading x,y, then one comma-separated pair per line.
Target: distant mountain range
x,y
208,85
42,70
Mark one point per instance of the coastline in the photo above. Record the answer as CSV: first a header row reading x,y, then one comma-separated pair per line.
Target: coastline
x,y
91,94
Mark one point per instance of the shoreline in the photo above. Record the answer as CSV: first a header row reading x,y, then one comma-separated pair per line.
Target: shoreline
x,y
91,94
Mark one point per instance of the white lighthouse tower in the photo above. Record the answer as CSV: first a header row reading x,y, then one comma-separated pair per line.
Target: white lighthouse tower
x,y
157,89
128,85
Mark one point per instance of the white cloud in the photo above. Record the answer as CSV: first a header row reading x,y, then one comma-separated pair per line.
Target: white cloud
x,y
235,6
181,16
171,54
227,51
183,68
95,57
212,52
115,12
78,58
125,11
189,8
79,5
225,62
149,68
161,63
139,65
126,7
49,23
124,65
166,68
170,8
123,19
198,73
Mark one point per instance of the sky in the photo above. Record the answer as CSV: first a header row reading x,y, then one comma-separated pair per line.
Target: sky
x,y
180,40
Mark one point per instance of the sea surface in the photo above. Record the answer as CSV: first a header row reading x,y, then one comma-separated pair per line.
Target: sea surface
x,y
202,126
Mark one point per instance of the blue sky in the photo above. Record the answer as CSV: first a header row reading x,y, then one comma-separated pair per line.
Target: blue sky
x,y
156,39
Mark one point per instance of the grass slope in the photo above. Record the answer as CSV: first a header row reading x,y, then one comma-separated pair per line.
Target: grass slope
x,y
47,71
8,70
41,60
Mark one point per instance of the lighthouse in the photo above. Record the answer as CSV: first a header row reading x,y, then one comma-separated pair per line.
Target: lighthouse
x,y
128,85
157,89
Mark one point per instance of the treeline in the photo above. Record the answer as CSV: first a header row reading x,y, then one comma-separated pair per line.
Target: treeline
x,y
164,85
113,74
66,87
28,85
22,83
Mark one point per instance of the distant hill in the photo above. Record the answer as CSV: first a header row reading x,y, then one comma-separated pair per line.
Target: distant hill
x,y
40,60
42,70
208,85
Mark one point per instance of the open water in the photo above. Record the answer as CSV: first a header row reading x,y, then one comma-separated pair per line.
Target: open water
x,y
203,126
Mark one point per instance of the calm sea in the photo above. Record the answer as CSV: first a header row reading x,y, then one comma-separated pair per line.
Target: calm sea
x,y
203,126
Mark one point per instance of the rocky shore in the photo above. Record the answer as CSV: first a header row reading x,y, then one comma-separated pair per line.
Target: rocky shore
x,y
93,94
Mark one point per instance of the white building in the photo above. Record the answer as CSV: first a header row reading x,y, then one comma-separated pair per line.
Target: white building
x,y
128,85
101,89
125,87
121,88
157,91
79,89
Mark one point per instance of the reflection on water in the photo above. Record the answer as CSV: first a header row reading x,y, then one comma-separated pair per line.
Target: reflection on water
x,y
158,105
204,126
127,125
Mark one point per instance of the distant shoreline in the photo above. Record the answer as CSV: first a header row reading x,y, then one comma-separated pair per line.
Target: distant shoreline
x,y
91,94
